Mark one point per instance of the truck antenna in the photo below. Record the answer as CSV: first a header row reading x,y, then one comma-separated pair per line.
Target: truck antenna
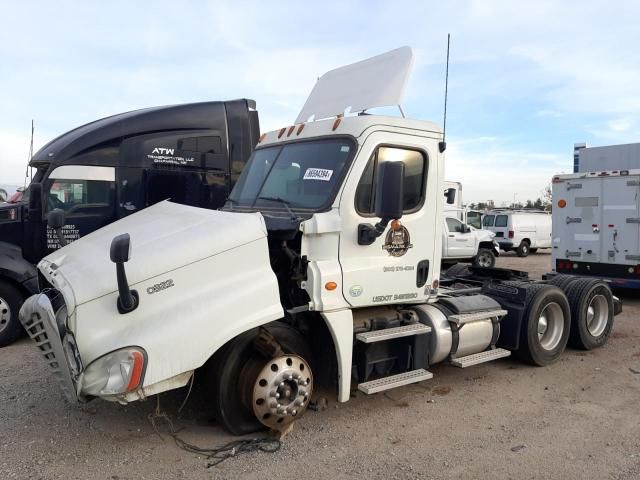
x,y
26,173
443,144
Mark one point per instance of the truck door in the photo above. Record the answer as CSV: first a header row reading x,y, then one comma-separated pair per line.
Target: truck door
x,y
460,242
400,263
87,196
620,232
583,219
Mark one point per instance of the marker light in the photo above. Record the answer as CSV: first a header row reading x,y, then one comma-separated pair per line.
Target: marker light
x,y
562,203
114,373
331,286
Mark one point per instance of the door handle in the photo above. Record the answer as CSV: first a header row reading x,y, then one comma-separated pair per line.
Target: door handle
x,y
451,236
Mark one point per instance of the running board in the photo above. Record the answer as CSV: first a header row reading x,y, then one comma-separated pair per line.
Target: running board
x,y
399,380
482,357
390,333
462,318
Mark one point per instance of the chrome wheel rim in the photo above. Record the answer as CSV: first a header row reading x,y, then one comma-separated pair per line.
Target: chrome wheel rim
x,y
597,315
550,326
484,260
5,314
282,391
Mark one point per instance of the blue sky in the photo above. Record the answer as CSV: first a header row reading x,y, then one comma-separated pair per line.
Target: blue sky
x,y
527,79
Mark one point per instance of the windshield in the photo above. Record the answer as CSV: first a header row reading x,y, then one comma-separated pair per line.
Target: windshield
x,y
303,175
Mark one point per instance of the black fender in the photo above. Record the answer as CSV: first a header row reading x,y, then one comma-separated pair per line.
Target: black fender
x,y
16,269
490,246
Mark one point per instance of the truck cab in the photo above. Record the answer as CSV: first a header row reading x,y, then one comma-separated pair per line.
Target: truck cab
x,y
108,169
323,268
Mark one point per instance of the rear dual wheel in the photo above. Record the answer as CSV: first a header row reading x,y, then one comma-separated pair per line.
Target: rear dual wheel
x,y
251,389
592,313
546,323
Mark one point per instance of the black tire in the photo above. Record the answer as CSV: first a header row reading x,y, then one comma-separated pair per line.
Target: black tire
x,y
11,299
551,300
523,249
590,329
533,250
485,258
562,281
225,376
458,270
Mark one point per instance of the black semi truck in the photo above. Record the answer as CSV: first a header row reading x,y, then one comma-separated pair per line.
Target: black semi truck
x,y
110,168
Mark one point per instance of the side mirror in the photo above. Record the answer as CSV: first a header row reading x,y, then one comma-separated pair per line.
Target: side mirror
x,y
450,195
56,220
389,201
120,253
35,202
389,192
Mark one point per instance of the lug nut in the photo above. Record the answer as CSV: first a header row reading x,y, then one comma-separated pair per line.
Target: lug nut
x,y
282,384
294,412
290,377
277,395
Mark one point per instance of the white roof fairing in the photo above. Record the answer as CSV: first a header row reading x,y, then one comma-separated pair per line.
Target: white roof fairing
x,y
378,81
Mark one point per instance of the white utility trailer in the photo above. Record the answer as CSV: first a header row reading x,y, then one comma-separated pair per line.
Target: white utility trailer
x,y
322,268
596,225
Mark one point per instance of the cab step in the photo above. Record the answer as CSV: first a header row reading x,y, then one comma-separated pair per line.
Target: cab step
x,y
390,333
393,381
462,318
482,357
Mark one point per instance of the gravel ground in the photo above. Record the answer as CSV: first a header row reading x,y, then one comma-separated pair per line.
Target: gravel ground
x,y
576,419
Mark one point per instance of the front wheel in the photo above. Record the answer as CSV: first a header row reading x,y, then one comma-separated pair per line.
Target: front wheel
x,y
10,302
485,258
261,379
545,329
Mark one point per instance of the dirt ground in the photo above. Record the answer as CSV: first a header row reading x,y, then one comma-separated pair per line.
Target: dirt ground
x,y
576,419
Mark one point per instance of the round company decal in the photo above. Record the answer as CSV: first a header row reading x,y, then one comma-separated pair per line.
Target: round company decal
x,y
397,241
355,291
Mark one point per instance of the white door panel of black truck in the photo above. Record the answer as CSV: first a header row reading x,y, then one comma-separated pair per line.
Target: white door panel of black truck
x,y
387,270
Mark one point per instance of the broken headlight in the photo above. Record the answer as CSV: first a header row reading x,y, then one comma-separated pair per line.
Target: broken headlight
x,y
115,373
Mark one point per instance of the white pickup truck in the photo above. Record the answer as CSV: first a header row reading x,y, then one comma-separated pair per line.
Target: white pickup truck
x,y
463,243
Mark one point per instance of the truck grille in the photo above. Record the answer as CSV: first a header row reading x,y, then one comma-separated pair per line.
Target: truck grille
x,y
38,319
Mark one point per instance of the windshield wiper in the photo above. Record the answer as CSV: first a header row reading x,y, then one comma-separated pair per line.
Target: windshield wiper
x,y
286,204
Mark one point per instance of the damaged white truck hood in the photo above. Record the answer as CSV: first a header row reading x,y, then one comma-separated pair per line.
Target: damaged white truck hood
x,y
194,271
164,237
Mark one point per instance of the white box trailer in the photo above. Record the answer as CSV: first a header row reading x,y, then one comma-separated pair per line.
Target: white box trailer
x,y
596,225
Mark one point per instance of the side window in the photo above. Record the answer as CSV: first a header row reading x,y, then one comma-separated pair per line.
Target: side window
x,y
80,189
474,219
454,225
501,221
413,183
488,220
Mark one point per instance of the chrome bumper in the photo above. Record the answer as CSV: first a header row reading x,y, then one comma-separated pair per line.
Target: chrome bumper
x,y
60,351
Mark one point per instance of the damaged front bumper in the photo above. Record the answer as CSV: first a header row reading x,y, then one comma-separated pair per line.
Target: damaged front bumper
x,y
58,347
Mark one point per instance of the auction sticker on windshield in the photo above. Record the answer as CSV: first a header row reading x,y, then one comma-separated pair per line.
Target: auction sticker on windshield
x,y
318,174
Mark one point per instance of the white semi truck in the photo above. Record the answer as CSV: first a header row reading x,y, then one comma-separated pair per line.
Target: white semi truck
x,y
322,268
596,225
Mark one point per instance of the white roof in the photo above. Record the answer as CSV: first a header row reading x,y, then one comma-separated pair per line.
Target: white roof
x,y
375,82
